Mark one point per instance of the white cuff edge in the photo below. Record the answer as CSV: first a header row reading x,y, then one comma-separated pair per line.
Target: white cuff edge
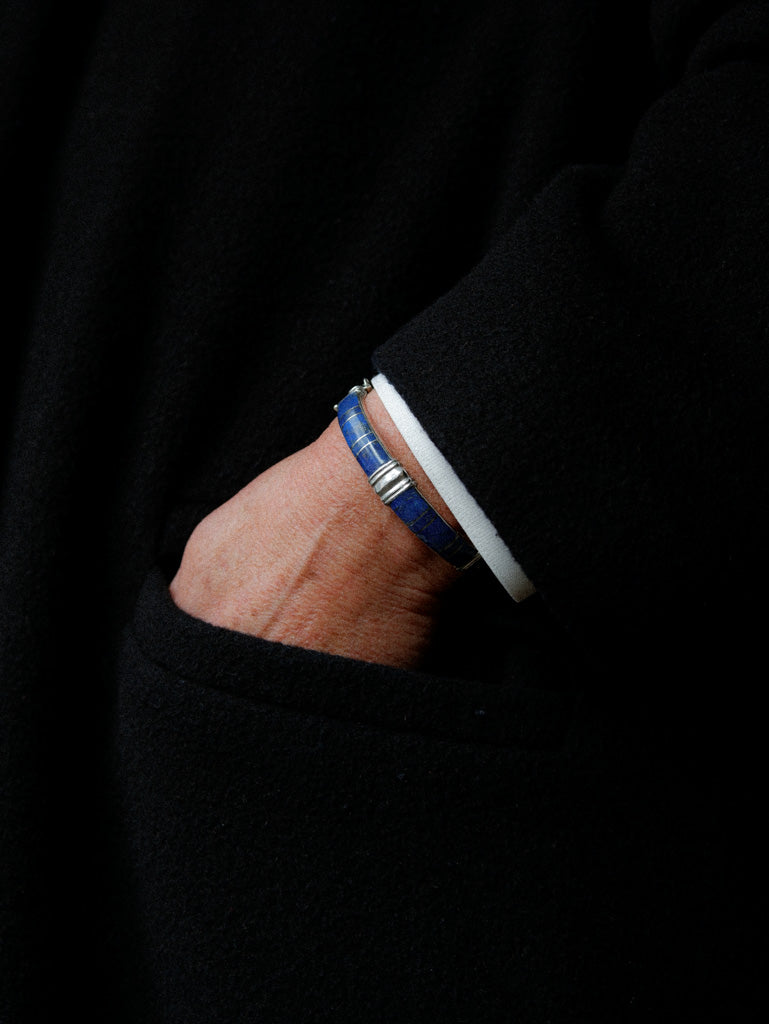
x,y
469,514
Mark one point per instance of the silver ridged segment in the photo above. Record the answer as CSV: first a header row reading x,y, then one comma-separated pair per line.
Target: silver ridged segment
x,y
392,484
390,480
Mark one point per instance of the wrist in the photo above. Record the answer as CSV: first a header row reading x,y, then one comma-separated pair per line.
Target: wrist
x,y
392,483
368,530
392,438
307,555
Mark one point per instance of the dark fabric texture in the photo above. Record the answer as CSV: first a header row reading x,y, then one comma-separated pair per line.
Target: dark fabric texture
x,y
546,221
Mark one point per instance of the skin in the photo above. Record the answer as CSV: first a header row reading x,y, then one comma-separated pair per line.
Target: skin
x,y
306,554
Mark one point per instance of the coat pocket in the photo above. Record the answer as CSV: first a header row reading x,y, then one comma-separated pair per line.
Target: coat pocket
x,y
310,838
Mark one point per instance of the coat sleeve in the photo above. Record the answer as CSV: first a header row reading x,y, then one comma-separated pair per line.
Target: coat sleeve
x,y
598,381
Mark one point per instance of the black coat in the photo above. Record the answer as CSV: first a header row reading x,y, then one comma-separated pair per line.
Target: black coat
x,y
546,221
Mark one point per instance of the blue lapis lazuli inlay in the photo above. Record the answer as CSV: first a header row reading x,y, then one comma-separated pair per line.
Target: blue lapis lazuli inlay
x,y
358,433
410,506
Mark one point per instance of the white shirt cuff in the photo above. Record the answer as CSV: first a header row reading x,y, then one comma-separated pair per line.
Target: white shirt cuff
x,y
463,505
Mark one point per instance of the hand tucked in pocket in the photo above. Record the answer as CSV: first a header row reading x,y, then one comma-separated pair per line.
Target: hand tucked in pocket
x,y
307,555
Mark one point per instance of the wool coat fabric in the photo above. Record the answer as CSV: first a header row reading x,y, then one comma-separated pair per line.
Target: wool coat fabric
x,y
547,222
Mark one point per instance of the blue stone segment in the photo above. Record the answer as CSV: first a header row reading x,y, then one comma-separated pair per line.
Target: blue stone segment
x,y
359,435
410,506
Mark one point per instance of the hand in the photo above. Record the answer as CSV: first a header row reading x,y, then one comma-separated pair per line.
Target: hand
x,y
306,554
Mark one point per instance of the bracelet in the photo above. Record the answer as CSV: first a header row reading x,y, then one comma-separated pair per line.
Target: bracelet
x,y
394,485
